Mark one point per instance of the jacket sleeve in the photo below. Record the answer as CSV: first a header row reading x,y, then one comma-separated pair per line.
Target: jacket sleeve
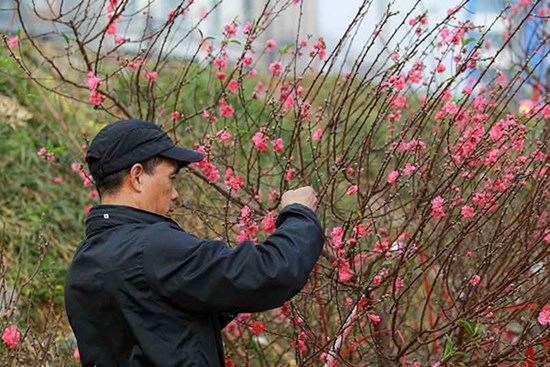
x,y
207,275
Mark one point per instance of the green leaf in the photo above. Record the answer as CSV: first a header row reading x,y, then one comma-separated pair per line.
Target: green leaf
x,y
468,326
235,42
66,37
4,62
284,50
58,149
479,329
448,350
467,41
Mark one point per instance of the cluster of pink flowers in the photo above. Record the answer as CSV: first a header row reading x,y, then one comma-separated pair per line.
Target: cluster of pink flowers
x,y
260,141
93,83
544,317
233,181
226,109
11,337
44,154
150,76
268,223
276,68
319,49
300,343
85,176
247,225
208,168
437,207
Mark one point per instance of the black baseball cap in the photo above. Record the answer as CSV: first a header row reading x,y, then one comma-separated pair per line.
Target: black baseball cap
x,y
124,143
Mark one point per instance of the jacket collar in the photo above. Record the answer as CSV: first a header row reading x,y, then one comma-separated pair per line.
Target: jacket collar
x,y
104,217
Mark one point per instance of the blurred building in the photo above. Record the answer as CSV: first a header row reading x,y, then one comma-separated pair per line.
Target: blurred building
x,y
527,47
204,18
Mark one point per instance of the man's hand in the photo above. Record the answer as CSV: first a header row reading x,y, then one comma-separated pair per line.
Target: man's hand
x,y
304,195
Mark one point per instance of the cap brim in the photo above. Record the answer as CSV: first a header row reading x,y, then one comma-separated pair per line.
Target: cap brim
x,y
182,155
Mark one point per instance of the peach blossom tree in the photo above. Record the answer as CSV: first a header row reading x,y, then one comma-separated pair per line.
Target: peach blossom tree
x,y
433,184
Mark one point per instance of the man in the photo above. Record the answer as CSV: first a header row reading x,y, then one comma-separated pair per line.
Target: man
x,y
141,291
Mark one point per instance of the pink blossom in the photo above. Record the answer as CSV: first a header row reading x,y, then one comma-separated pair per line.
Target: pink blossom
x,y
57,179
76,354
134,65
175,115
437,207
398,101
270,45
233,85
399,82
544,317
409,169
276,68
467,211
11,336
392,177
230,30
220,75
120,39
112,29
501,78
152,76
227,110
172,14
260,141
360,230
344,271
336,237
352,190
96,98
440,68
278,145
475,280
248,60
112,5
13,42
247,28
93,81
223,135
374,318
317,135
290,173
220,63
235,182
242,236
258,327
269,223
299,345
75,167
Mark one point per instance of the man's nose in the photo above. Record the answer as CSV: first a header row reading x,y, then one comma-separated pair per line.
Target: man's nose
x,y
175,195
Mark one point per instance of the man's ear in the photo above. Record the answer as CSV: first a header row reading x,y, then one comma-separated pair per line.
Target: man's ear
x,y
135,177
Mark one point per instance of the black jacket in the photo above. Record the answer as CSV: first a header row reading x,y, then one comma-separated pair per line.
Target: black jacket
x,y
141,291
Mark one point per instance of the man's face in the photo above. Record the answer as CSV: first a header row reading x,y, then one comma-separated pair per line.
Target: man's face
x,y
159,192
